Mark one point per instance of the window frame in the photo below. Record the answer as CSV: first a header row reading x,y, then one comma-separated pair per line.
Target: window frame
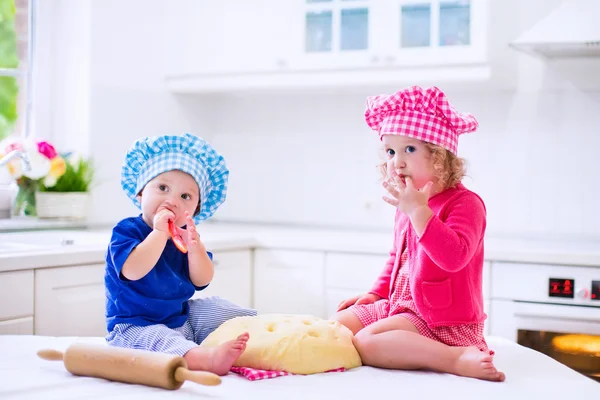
x,y
25,75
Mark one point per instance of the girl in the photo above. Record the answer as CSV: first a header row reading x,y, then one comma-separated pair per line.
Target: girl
x,y
426,309
149,279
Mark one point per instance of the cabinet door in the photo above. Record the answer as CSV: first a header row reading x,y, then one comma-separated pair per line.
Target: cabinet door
x,y
348,274
70,301
353,271
223,37
19,326
434,32
233,278
289,282
16,301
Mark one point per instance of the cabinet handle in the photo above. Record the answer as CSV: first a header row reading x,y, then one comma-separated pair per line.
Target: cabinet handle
x,y
375,59
281,63
390,59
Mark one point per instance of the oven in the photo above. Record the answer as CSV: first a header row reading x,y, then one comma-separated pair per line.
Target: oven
x,y
552,309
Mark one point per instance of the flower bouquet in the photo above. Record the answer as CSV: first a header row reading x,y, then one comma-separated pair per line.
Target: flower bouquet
x,y
49,172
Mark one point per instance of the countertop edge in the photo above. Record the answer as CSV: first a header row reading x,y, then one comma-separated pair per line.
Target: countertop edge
x,y
307,240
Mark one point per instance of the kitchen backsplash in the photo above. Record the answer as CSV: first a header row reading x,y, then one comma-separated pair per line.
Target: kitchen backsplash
x,y
310,159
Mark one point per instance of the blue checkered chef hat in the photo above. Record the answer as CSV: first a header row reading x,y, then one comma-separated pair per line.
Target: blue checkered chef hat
x,y
151,156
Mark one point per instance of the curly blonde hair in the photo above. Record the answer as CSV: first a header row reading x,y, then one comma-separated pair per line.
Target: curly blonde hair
x,y
449,168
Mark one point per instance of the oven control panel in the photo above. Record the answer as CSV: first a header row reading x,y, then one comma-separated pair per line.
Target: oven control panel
x,y
545,283
566,288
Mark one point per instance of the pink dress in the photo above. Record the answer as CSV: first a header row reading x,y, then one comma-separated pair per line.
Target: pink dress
x,y
401,303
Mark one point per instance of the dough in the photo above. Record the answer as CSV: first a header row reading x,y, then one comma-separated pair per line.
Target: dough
x,y
578,343
300,344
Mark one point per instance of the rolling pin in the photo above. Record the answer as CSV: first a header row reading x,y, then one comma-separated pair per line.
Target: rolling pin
x,y
129,365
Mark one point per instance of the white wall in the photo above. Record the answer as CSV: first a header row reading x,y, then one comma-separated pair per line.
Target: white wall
x,y
309,158
533,160
128,99
101,71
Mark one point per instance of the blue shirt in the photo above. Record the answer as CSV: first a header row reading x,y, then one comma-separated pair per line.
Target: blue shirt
x,y
161,296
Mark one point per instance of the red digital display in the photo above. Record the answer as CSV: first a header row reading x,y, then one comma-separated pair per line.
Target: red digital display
x,y
595,290
561,287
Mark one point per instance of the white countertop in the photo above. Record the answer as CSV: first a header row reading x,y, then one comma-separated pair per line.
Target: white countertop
x,y
50,248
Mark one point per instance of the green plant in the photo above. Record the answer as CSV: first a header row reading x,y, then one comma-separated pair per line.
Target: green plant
x,y
78,177
9,89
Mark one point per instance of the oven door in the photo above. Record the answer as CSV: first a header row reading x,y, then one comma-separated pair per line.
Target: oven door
x,y
508,317
569,334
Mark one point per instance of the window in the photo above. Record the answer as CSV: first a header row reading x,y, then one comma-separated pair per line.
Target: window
x,y
16,47
15,71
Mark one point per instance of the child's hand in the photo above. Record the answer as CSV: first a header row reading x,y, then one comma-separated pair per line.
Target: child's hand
x,y
367,298
406,197
192,239
161,220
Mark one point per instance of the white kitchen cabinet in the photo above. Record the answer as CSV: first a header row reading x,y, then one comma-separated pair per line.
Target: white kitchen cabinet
x,y
341,34
272,44
353,271
17,326
233,277
224,37
350,274
70,301
16,302
288,281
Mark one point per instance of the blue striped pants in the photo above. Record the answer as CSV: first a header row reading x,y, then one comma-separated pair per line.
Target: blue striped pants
x,y
206,315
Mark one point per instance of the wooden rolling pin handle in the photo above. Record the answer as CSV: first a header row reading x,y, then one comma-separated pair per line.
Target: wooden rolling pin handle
x,y
201,377
50,355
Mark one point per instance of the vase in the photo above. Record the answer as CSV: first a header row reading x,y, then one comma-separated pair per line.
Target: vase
x,y
65,205
25,201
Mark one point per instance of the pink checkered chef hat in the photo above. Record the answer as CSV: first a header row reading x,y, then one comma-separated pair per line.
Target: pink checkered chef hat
x,y
423,114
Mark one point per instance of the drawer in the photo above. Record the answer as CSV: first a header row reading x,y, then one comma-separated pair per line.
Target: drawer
x,y
16,294
353,271
19,326
70,301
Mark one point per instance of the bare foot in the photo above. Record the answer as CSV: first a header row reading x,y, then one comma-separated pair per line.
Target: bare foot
x,y
226,354
474,363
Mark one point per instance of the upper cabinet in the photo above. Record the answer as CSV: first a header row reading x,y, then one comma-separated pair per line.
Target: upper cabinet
x,y
266,44
349,34
225,37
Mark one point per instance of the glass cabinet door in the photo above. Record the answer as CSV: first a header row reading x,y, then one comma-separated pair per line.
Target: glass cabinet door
x,y
354,29
455,23
319,31
447,22
336,34
426,32
333,26
415,25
